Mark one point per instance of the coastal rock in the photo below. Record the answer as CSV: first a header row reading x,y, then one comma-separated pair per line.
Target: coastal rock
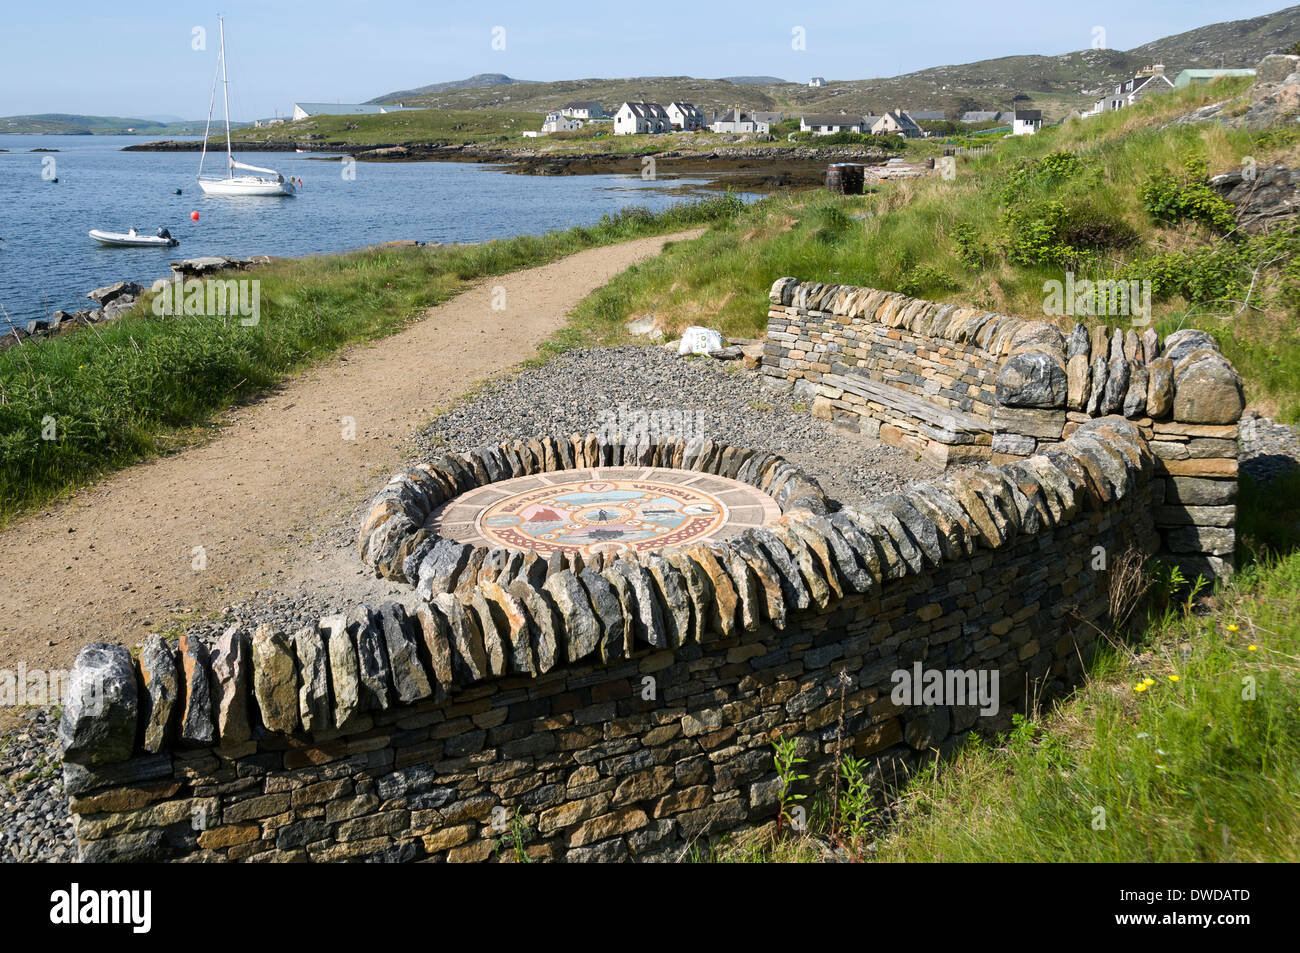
x,y
101,704
111,293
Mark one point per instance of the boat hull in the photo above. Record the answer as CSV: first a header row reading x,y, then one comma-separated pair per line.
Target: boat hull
x,y
119,240
245,185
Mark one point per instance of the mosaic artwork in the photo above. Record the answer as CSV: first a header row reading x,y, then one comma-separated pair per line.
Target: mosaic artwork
x,y
602,516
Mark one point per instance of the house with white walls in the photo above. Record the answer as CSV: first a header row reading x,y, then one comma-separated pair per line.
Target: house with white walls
x,y
1027,122
736,120
640,119
685,116
583,110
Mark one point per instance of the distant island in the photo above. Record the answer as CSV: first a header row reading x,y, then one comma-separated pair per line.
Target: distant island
x,y
71,124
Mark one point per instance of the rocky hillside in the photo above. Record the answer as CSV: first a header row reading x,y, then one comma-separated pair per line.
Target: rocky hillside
x,y
1054,83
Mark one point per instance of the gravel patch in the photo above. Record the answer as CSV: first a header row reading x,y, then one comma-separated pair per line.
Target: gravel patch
x,y
34,820
584,389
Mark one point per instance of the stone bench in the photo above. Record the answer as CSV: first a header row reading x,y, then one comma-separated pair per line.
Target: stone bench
x,y
898,418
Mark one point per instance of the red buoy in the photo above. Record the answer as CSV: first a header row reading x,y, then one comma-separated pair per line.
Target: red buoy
x,y
194,216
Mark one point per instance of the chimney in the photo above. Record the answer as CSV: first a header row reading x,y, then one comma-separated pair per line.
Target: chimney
x,y
1158,69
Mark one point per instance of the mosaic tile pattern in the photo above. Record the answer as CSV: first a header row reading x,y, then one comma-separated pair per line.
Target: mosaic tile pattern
x,y
604,510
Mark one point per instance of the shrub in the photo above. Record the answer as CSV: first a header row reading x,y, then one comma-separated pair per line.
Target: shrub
x,y
1171,198
1049,171
922,278
974,254
1035,236
888,143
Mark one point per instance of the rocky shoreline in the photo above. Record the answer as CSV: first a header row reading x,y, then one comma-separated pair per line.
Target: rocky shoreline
x,y
757,167
113,301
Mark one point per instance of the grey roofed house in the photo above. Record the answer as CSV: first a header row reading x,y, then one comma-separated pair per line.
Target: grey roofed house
x,y
978,116
768,117
830,119
1028,115
307,110
582,105
927,115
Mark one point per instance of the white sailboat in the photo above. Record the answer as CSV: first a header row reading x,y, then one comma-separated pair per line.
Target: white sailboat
x,y
264,181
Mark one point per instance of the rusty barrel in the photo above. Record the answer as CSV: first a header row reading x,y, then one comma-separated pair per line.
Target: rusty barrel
x,y
834,179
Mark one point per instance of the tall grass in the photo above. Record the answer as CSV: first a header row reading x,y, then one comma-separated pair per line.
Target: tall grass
x,y
83,403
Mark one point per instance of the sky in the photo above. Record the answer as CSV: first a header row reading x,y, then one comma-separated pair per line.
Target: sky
x,y
146,59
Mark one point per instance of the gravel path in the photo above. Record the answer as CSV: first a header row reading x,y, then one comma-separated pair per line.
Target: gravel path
x,y
583,389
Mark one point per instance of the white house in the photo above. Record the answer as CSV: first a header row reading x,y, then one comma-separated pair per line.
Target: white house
x,y
895,123
640,118
1027,122
1147,81
817,82
824,125
733,120
307,110
583,110
685,116
556,122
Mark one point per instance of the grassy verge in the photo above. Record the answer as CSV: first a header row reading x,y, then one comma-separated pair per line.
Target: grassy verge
x,y
1182,745
81,404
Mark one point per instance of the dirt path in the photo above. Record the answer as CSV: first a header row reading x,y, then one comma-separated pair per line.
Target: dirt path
x,y
120,559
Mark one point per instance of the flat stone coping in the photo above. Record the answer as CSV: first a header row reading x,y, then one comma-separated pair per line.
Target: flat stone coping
x,y
604,510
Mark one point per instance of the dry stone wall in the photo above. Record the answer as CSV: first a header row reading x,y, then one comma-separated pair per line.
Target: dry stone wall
x,y
618,710
965,385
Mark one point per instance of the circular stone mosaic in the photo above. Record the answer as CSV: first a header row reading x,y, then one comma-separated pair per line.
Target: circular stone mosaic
x,y
610,509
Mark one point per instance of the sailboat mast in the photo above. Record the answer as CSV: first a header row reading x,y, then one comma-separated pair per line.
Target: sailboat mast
x,y
225,95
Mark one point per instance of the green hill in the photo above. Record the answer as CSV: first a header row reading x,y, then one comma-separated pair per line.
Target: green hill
x,y
69,124
1056,84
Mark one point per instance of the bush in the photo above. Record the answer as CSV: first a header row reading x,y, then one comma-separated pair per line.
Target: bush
x,y
920,279
1049,171
887,143
1171,198
1036,236
972,252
